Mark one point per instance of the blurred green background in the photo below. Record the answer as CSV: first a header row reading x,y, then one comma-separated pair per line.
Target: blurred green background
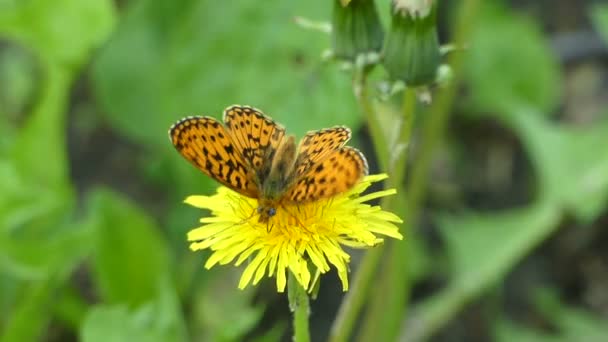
x,y
512,240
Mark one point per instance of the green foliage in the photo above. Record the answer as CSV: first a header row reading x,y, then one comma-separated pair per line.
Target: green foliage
x,y
571,324
30,313
19,69
158,320
483,247
575,154
130,255
62,32
520,86
110,262
599,16
509,64
40,244
191,63
221,313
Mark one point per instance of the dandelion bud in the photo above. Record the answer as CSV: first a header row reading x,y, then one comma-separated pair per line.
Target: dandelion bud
x,y
411,52
356,29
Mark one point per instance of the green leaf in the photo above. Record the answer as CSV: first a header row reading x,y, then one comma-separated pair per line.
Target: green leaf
x,y
571,162
571,165
62,34
509,63
70,307
28,258
61,31
220,299
27,207
420,261
31,313
570,324
131,257
506,331
36,162
189,63
599,18
39,151
34,271
157,320
20,76
33,307
483,247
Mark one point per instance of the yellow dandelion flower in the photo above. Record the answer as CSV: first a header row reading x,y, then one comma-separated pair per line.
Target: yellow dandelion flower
x,y
295,237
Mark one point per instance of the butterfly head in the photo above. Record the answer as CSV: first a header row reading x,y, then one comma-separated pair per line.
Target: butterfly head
x,y
266,210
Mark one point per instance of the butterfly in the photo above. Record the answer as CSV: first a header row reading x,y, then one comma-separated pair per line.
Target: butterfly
x,y
251,154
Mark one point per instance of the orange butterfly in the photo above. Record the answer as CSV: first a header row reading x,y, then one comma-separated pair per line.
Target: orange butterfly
x,y
251,155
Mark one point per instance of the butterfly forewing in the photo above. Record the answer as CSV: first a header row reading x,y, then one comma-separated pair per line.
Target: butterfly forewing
x,y
338,172
256,136
204,142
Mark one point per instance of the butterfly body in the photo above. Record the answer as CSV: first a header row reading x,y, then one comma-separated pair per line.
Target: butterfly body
x,y
251,154
280,177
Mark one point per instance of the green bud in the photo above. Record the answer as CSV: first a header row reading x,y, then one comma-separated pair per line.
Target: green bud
x,y
411,52
356,29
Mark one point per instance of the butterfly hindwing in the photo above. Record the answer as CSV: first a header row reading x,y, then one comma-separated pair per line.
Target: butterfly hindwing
x,y
338,172
316,146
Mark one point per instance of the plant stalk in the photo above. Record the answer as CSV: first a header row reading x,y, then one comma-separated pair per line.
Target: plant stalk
x,y
385,313
299,305
356,297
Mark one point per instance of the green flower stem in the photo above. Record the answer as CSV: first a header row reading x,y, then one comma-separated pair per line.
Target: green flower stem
x,y
387,312
356,297
433,128
384,316
373,121
299,305
408,111
432,132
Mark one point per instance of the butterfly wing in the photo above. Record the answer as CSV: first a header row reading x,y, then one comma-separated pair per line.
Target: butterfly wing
x,y
205,143
316,146
256,136
339,171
